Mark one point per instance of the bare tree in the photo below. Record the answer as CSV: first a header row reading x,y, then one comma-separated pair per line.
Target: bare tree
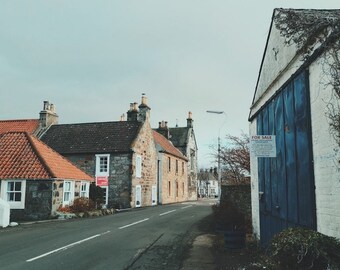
x,y
235,157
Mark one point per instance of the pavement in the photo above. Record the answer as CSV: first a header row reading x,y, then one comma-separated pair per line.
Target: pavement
x,y
207,251
201,255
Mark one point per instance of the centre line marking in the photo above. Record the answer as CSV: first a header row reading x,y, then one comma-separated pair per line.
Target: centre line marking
x,y
167,212
186,206
66,247
137,222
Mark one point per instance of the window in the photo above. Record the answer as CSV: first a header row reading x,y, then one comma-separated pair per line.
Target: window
x,y
84,189
182,168
102,165
176,165
169,188
13,191
68,195
169,164
138,166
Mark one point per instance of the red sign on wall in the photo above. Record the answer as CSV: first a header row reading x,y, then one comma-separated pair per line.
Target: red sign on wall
x,y
102,181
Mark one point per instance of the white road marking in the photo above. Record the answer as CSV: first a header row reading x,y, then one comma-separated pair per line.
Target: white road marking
x,y
137,222
186,206
165,213
66,247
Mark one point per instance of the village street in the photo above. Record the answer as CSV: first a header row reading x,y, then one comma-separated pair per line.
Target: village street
x,y
149,238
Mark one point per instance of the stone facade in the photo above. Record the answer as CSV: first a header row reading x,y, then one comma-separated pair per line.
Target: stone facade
x,y
119,176
144,146
38,201
173,179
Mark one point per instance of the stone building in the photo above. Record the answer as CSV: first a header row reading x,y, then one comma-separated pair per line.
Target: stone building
x,y
172,170
35,180
120,155
184,139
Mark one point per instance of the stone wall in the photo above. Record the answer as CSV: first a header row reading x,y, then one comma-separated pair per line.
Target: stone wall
x,y
174,186
38,202
144,145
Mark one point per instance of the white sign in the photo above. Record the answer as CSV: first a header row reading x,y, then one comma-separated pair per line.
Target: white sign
x,y
263,146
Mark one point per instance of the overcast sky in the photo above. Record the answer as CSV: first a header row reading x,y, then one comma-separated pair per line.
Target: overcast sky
x,y
93,58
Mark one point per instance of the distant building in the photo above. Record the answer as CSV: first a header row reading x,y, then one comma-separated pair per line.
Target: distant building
x,y
184,139
208,183
172,171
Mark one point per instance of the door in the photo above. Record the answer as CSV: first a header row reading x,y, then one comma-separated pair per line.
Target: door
x,y
138,202
154,195
286,183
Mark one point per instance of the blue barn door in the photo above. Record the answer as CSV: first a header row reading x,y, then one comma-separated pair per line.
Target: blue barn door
x,y
286,183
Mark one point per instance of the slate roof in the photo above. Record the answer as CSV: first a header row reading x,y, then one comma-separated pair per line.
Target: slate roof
x,y
179,136
23,156
167,146
101,137
26,125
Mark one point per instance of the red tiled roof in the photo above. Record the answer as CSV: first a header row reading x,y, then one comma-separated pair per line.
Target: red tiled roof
x,y
26,125
22,156
167,145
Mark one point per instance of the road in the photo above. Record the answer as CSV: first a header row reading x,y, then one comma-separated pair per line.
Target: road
x,y
147,238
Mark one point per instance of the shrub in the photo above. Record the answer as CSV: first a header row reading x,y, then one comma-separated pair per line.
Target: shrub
x,y
302,248
97,195
82,205
227,216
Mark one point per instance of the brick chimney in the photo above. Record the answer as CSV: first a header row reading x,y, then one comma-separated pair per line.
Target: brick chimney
x,y
189,120
48,115
144,110
132,114
163,129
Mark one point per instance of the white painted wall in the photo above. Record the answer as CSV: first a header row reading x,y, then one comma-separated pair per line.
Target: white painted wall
x,y
326,156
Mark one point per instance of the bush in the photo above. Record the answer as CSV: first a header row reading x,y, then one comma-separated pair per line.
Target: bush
x,y
302,248
82,205
227,216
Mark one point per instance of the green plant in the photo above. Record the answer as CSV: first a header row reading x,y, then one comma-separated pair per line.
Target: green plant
x,y
302,248
228,217
82,205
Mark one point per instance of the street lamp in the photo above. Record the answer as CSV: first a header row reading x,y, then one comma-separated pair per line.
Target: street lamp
x,y
219,182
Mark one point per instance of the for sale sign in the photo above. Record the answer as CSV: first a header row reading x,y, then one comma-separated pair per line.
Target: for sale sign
x,y
263,146
102,181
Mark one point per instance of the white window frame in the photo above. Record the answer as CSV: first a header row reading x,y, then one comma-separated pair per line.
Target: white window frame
x,y
71,191
138,166
84,189
98,165
4,194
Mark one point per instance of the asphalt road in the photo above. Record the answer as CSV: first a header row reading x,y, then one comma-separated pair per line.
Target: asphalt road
x,y
147,238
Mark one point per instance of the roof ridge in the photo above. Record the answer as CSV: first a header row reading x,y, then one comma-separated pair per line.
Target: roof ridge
x,y
39,155
103,122
19,120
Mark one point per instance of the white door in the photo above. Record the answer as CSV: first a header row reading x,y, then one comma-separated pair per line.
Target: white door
x,y
138,196
154,195
105,196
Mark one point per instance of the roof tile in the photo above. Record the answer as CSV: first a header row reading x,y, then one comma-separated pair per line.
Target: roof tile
x,y
23,156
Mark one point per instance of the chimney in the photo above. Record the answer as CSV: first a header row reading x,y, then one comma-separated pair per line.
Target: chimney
x,y
48,115
122,118
132,114
163,129
189,120
144,110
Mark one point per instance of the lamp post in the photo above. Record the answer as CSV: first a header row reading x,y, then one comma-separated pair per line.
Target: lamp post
x,y
219,182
